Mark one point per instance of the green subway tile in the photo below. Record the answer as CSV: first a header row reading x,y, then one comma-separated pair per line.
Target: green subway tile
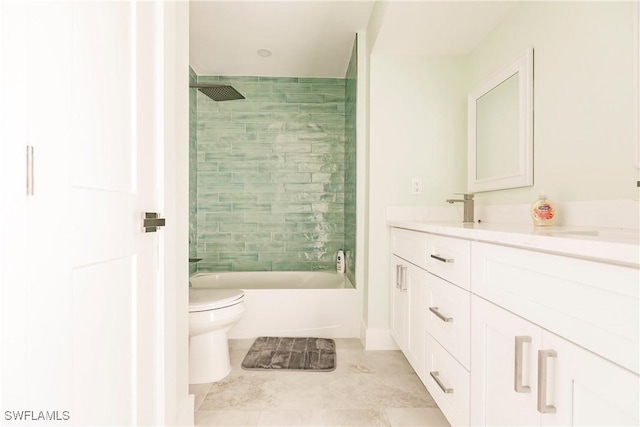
x,y
294,177
265,127
279,107
239,79
230,227
252,237
322,81
211,237
305,127
291,207
212,266
280,79
251,177
288,147
251,208
264,247
291,117
208,79
311,98
230,138
251,117
251,148
238,167
240,105
318,108
321,177
310,187
224,157
277,167
255,96
277,227
336,97
238,256
254,187
234,197
265,218
318,137
292,87
213,246
206,177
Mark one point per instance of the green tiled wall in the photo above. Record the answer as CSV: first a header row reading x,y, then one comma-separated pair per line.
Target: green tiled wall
x,y
270,175
350,164
193,170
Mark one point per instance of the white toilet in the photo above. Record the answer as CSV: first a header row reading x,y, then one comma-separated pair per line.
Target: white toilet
x,y
212,312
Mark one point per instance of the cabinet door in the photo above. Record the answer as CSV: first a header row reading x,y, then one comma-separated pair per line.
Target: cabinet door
x,y
583,389
416,283
398,301
503,387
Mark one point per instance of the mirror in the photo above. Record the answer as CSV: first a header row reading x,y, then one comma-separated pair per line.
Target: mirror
x,y
501,129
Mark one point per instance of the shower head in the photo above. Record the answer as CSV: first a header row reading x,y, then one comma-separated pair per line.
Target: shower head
x,y
218,92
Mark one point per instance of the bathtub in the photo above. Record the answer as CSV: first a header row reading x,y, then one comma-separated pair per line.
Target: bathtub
x,y
290,303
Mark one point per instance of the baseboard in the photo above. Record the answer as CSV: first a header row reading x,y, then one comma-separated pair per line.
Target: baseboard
x,y
377,338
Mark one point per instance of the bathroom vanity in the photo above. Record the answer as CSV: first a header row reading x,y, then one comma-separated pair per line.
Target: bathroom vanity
x,y
511,325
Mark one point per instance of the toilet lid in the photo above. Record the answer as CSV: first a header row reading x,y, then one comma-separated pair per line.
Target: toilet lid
x,y
202,299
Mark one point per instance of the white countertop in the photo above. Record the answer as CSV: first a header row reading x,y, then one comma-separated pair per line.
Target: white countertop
x,y
616,246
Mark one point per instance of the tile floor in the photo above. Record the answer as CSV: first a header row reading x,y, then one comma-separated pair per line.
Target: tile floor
x,y
368,388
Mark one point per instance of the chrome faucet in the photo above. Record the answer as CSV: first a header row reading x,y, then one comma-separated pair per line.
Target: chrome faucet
x,y
467,200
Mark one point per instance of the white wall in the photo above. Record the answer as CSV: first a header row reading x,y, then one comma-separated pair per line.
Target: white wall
x,y
585,97
417,106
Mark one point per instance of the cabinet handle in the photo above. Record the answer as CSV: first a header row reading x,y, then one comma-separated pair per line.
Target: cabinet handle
x,y
435,376
398,266
543,356
442,259
519,388
404,278
440,316
30,191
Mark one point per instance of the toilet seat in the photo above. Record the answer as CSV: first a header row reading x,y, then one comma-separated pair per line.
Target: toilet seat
x,y
204,299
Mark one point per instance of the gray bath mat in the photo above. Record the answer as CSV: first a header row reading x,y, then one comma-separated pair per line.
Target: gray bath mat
x,y
302,354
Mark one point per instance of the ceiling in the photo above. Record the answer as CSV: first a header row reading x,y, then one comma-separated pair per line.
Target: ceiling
x,y
314,38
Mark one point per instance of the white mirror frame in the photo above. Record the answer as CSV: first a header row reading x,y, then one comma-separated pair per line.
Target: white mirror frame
x,y
523,66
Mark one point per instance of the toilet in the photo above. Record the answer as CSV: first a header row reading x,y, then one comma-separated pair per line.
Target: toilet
x,y
212,312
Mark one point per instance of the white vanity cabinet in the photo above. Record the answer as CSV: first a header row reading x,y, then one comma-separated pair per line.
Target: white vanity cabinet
x,y
430,314
408,313
521,329
554,340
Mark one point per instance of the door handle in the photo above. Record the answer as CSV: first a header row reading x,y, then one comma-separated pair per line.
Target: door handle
x,y
517,375
151,221
543,357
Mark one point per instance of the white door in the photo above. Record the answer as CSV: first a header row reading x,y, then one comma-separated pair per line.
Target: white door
x,y
494,400
417,317
587,390
398,301
80,289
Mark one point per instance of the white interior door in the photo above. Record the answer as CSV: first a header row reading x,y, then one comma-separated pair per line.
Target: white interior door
x,y
81,290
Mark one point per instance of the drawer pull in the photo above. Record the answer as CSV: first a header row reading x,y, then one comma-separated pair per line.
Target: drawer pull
x,y
442,259
517,382
440,316
404,278
435,376
543,356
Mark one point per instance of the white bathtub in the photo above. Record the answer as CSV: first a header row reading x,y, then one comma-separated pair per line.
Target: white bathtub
x,y
290,303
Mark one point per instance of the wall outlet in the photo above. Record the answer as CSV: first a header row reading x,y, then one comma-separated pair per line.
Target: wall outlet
x,y
416,185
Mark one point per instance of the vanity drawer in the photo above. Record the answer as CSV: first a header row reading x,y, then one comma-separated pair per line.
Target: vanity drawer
x,y
452,392
450,259
409,245
592,304
448,317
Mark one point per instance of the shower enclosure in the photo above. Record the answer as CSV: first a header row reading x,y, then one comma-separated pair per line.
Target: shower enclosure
x,y
272,176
